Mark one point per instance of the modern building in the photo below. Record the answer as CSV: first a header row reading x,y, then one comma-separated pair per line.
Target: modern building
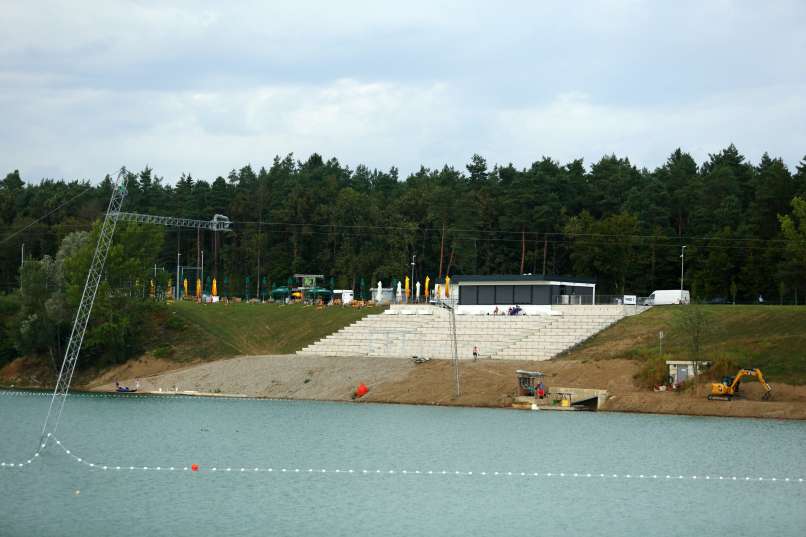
x,y
533,293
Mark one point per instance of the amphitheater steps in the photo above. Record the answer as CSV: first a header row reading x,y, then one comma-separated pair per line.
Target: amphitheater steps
x,y
425,331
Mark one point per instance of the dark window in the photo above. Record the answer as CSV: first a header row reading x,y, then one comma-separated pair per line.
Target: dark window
x,y
579,290
486,294
504,294
468,294
541,294
523,294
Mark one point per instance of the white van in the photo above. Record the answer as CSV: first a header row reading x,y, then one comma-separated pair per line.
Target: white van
x,y
668,296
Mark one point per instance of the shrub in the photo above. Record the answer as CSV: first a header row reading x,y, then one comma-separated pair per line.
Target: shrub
x,y
163,351
653,372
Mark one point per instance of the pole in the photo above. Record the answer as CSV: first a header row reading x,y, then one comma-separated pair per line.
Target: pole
x,y
411,284
545,251
441,252
202,271
176,284
22,256
523,249
682,265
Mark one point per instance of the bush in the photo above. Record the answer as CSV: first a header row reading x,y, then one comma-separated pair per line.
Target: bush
x,y
175,323
653,372
163,351
722,367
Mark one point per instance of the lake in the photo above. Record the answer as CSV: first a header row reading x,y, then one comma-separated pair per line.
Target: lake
x,y
57,496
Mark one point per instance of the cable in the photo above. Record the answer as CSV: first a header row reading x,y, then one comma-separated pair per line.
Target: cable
x,y
9,237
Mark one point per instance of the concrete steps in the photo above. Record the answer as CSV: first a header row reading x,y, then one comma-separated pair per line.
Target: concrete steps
x,y
425,331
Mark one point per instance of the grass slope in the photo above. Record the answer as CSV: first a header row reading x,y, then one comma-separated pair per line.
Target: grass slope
x,y
221,330
772,338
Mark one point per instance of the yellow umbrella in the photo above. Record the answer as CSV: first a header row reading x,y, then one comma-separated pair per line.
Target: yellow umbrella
x,y
408,291
198,287
151,288
447,286
427,282
185,286
215,288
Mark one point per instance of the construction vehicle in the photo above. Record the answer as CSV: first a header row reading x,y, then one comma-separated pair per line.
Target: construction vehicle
x,y
728,388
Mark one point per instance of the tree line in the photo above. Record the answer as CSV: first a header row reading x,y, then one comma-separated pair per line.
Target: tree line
x,y
744,224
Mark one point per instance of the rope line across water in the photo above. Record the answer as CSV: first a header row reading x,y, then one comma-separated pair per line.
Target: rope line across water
x,y
395,472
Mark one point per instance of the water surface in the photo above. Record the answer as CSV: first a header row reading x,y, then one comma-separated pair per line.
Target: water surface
x,y
41,500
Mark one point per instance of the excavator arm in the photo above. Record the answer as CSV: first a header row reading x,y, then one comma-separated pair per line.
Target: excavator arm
x,y
755,372
726,389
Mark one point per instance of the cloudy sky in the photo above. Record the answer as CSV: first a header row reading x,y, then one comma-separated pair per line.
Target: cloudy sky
x,y
203,87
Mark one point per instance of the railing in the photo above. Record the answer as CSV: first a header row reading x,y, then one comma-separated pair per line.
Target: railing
x,y
588,300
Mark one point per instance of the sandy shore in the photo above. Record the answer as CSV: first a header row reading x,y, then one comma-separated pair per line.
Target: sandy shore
x,y
485,383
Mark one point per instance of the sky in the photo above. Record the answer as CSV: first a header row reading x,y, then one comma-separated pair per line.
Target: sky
x,y
202,87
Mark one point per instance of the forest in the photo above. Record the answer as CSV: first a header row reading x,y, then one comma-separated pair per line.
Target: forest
x,y
743,225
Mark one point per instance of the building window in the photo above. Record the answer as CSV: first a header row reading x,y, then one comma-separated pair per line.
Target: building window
x,y
486,294
468,295
504,294
541,294
523,294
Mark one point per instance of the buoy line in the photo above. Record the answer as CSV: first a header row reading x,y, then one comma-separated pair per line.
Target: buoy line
x,y
392,472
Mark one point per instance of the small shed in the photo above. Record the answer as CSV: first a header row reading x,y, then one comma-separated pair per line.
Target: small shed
x,y
530,382
682,370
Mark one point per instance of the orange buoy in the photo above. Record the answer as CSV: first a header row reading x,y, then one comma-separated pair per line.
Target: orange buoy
x,y
194,467
361,390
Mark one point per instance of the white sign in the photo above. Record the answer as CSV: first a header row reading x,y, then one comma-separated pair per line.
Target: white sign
x,y
631,300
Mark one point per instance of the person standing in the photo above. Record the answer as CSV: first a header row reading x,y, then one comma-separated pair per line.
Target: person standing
x,y
475,353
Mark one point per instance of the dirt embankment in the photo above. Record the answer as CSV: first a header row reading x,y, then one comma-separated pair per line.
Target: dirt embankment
x,y
482,383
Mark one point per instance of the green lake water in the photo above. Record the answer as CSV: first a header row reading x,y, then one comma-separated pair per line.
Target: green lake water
x,y
41,499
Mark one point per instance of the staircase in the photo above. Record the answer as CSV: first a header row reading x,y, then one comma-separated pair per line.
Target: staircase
x,y
409,330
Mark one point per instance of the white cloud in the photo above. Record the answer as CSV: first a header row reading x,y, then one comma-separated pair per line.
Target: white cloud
x,y
205,86
575,125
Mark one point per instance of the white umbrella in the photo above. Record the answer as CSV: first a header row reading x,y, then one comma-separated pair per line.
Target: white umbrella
x,y
417,291
380,292
399,292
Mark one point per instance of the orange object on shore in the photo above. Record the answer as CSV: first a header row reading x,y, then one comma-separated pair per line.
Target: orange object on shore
x,y
361,390
194,467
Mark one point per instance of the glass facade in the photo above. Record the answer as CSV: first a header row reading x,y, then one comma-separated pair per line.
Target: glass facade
x,y
488,295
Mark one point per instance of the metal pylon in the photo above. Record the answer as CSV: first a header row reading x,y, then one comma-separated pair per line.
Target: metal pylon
x,y
84,308
113,215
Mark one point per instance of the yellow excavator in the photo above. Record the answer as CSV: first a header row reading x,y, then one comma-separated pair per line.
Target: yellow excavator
x,y
727,389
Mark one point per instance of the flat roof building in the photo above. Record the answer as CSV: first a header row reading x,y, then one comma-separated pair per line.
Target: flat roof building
x,y
477,293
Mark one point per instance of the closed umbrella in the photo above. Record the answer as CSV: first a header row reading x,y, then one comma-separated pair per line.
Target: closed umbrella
x,y
198,288
447,286
408,289
215,287
399,292
427,284
380,292
185,286
417,291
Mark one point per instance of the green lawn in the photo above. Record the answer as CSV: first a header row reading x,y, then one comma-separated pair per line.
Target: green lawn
x,y
772,338
221,330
